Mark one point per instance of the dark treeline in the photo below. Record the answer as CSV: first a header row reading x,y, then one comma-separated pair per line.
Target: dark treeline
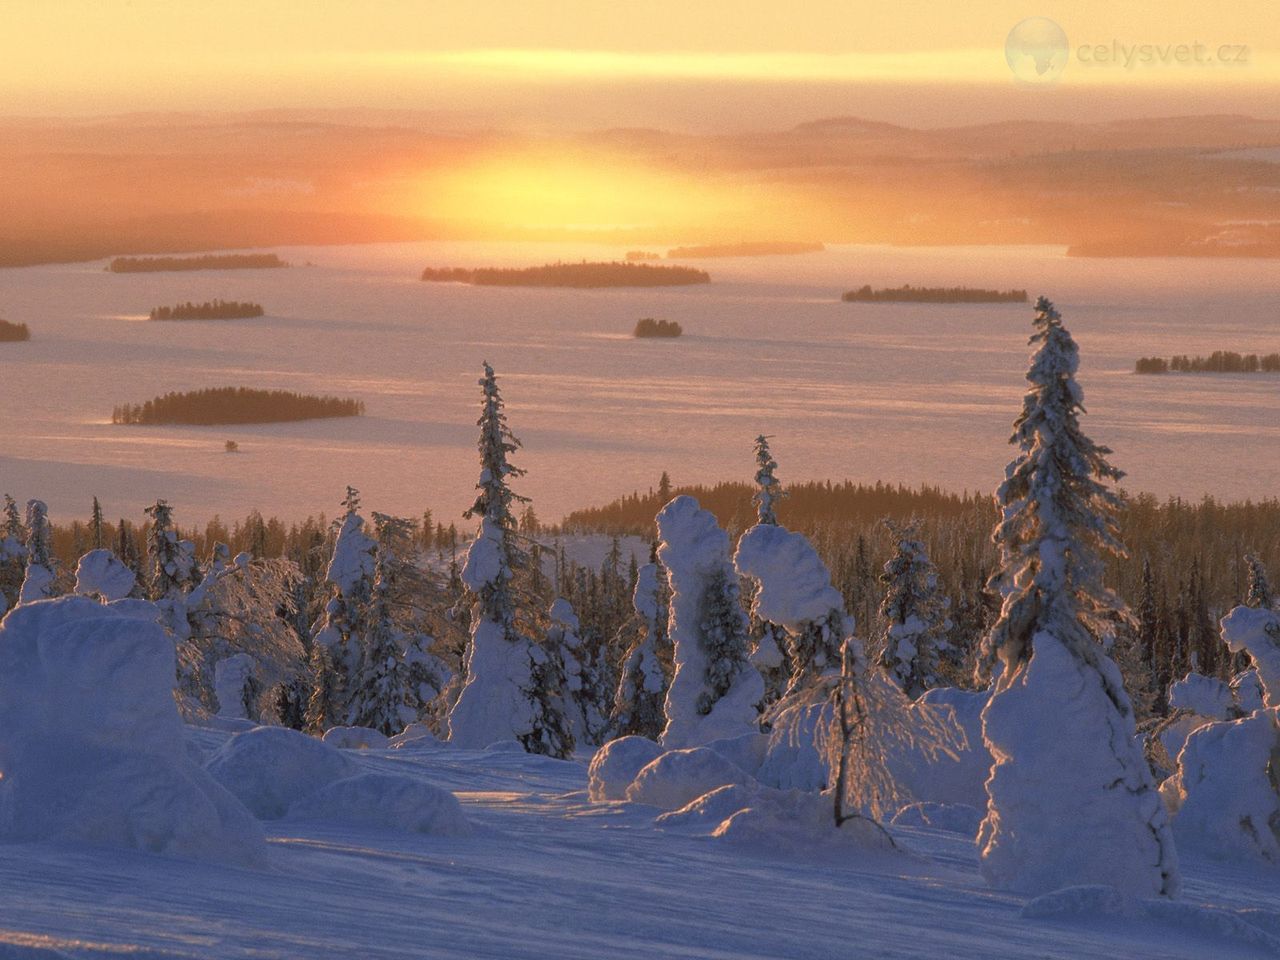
x,y
763,248
1220,361
209,310
1196,551
13,332
910,294
223,405
212,261
642,255
584,274
649,327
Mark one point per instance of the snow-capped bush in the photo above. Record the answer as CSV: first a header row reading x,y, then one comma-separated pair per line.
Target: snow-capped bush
x,y
91,744
1258,632
393,801
714,692
270,768
100,574
1224,793
233,685
1205,696
679,776
615,765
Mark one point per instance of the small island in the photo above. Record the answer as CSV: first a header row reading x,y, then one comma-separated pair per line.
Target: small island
x,y
581,275
634,255
649,327
13,332
209,310
211,261
228,405
910,294
1220,361
747,249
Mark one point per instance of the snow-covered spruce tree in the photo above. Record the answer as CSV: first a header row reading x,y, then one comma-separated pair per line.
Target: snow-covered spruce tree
x,y
914,612
13,554
397,676
715,690
335,641
586,721
97,530
503,698
642,687
38,583
1071,797
768,653
1259,593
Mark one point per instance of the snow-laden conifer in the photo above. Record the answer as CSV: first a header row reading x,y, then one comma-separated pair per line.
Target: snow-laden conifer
x,y
642,687
503,698
715,690
1071,795
914,611
38,583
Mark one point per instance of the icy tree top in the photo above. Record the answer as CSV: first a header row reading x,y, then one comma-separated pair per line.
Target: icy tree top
x,y
770,490
353,555
496,442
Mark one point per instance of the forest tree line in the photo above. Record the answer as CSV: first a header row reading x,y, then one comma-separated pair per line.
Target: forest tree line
x,y
910,294
13,332
209,261
209,310
1220,361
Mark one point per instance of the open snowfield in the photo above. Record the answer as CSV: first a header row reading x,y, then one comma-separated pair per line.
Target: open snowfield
x,y
550,875
869,391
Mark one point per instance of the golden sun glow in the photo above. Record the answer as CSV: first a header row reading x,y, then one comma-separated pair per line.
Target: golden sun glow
x,y
539,190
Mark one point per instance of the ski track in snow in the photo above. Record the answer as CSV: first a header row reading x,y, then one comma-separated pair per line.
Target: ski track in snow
x,y
550,875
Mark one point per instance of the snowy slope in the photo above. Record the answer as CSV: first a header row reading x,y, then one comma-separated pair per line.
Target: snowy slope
x,y
550,875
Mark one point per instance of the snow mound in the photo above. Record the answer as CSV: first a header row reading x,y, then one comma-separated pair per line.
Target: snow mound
x,y
92,749
505,746
615,765
355,738
270,768
417,736
1227,803
706,813
791,822
951,817
747,751
1092,903
393,801
1205,696
101,574
681,776
795,587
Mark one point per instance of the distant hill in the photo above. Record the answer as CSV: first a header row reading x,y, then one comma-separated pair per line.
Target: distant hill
x,y
749,249
584,274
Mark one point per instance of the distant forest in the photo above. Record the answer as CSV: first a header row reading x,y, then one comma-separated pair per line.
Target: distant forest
x,y
643,255
224,405
584,274
649,327
209,310
910,294
13,332
1220,361
219,261
750,249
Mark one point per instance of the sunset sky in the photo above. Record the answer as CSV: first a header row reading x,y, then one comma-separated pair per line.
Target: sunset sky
x,y
577,63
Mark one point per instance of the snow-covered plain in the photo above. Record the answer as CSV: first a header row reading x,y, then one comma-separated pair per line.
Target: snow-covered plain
x,y
908,392
548,874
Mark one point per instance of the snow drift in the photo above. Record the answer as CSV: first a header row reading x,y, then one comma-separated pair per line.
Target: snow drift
x,y
270,768
91,745
392,801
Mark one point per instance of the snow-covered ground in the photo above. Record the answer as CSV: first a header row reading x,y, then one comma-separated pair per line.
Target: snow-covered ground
x,y
906,392
548,874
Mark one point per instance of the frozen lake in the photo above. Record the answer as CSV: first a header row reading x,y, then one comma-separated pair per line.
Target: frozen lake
x,y
913,393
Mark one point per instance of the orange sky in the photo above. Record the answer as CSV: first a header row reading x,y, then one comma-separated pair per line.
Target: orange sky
x,y
691,64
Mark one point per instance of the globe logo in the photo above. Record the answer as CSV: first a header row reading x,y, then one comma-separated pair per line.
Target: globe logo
x,y
1036,51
